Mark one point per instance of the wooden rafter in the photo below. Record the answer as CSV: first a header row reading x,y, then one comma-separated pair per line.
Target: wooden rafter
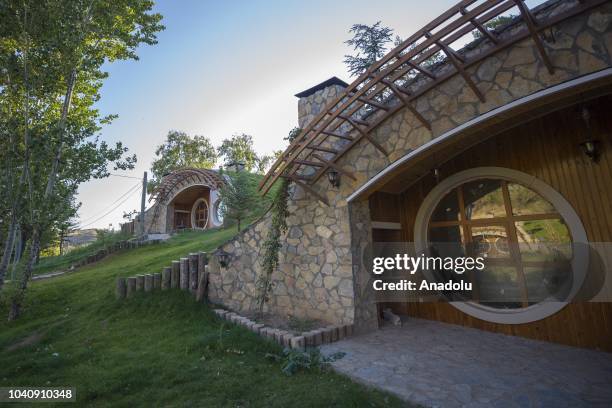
x,y
452,56
533,31
364,134
335,167
306,187
374,86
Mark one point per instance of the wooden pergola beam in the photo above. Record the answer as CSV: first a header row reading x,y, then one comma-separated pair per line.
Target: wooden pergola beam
x,y
459,67
336,167
365,135
533,31
446,29
408,105
307,188
376,104
336,134
481,28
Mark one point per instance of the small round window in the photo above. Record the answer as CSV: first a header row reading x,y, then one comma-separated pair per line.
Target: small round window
x,y
219,211
526,242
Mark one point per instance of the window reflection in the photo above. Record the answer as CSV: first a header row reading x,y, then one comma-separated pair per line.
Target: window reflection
x,y
483,199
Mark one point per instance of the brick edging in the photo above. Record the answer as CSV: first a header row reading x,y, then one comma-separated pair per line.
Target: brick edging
x,y
311,338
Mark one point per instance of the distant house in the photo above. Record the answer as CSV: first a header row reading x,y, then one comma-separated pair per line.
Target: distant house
x,y
185,199
497,145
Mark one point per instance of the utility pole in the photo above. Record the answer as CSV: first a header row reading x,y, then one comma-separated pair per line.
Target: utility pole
x,y
142,204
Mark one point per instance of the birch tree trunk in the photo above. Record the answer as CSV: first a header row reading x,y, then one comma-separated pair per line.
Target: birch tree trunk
x,y
17,301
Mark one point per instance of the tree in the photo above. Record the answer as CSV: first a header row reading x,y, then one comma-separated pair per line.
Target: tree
x,y
239,196
239,149
53,53
370,44
179,151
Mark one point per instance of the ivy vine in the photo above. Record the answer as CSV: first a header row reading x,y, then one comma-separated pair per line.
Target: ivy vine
x,y
272,245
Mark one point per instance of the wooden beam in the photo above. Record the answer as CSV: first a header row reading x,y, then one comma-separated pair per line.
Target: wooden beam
x,y
323,149
533,30
481,28
408,105
421,69
307,188
365,135
336,167
459,67
373,103
338,135
354,120
308,163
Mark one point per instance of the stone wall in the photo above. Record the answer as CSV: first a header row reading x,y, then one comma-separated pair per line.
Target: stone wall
x,y
320,275
309,107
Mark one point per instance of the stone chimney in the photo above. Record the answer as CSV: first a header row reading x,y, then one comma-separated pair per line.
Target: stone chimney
x,y
313,100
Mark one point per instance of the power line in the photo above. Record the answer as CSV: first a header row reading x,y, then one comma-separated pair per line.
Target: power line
x,y
124,176
111,204
111,210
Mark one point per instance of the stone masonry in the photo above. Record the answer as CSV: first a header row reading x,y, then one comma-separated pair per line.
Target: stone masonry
x,y
320,274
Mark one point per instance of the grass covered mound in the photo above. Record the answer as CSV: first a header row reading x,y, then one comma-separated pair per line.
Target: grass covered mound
x,y
159,349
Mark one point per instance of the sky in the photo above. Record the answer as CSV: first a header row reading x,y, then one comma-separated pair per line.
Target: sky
x,y
227,67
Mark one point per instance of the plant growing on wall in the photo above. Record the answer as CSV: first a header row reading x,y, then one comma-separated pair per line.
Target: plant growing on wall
x,y
272,244
279,226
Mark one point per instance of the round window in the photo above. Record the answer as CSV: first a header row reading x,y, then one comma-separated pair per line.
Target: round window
x,y
526,233
219,211
199,214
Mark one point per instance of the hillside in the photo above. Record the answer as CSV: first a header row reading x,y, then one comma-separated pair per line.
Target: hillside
x,y
153,349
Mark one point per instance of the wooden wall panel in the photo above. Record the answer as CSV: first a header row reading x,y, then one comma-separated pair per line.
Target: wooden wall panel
x,y
547,148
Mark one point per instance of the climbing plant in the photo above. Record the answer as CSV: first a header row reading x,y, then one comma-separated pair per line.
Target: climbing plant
x,y
272,244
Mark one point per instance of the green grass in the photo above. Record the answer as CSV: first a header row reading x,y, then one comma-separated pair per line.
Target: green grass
x,y
159,349
63,262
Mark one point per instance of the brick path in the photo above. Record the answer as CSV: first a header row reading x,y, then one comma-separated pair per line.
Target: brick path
x,y
437,364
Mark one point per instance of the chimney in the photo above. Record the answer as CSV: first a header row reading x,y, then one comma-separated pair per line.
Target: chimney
x,y
313,100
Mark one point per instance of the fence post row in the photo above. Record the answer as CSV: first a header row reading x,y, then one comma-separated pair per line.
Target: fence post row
x,y
189,273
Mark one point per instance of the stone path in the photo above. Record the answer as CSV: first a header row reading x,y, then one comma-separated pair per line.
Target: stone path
x,y
437,364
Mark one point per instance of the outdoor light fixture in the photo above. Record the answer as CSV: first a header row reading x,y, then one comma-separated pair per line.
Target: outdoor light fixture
x,y
334,178
590,147
223,258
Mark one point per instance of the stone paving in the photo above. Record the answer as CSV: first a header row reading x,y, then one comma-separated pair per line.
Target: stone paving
x,y
442,365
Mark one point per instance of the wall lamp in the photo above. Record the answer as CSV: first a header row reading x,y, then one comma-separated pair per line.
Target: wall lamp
x,y
334,178
223,257
590,147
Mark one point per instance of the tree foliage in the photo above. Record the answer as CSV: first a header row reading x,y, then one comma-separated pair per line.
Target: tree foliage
x,y
239,149
179,151
51,55
370,43
239,196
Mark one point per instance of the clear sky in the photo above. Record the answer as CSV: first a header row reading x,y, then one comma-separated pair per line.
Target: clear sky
x,y
226,67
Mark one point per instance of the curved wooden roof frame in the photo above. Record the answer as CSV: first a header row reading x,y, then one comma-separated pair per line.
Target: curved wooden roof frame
x,y
378,92
162,193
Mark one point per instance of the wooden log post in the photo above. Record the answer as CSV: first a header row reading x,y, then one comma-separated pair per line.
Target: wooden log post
x,y
193,273
165,279
184,268
131,286
121,289
148,282
157,279
175,275
203,276
140,282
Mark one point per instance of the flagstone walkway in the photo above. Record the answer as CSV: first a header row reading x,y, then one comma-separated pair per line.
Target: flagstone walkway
x,y
443,365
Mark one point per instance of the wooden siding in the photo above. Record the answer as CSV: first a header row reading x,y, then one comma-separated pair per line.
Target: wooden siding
x,y
547,148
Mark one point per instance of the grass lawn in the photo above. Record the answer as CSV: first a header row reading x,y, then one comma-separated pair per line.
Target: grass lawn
x,y
159,349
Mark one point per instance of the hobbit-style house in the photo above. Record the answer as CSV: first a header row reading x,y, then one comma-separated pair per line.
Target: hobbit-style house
x,y
494,139
184,199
